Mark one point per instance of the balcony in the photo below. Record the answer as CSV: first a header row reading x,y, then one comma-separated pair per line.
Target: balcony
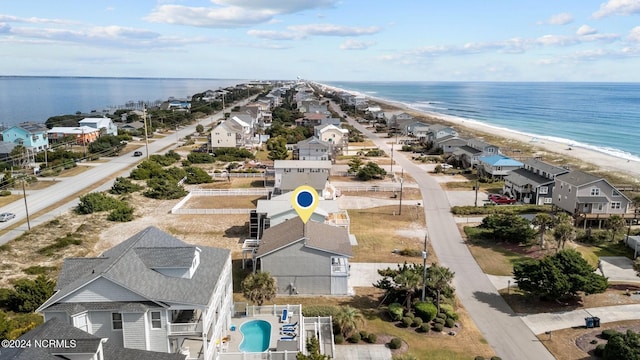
x,y
186,322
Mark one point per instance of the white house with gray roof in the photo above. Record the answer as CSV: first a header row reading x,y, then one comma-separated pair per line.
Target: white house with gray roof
x,y
534,182
151,292
289,174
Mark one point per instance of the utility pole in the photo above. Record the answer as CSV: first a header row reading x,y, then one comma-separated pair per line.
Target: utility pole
x,y
401,178
424,267
476,189
392,159
146,135
26,208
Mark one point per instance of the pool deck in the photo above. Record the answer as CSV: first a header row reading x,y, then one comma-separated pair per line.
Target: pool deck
x,y
236,337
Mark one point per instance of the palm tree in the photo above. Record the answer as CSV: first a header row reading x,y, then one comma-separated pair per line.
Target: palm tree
x,y
258,287
347,320
562,233
543,221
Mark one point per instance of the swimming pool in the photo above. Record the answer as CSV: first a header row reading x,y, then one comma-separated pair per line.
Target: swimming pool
x,y
256,336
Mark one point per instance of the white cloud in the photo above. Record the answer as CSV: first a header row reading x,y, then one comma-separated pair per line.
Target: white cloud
x,y
232,13
556,40
558,19
34,20
273,35
356,45
617,7
634,34
333,30
586,30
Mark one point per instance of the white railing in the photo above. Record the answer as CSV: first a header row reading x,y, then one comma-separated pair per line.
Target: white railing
x,y
185,328
229,192
211,211
237,175
371,188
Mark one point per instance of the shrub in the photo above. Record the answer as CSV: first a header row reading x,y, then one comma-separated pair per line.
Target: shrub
x,y
441,315
496,358
424,328
363,334
599,350
96,202
355,338
395,310
124,186
407,321
338,339
416,322
38,270
609,333
60,243
478,358
426,311
438,327
449,323
395,343
5,193
123,213
439,321
410,252
410,314
372,338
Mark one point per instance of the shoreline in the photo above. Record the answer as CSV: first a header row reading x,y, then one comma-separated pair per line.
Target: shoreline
x,y
544,144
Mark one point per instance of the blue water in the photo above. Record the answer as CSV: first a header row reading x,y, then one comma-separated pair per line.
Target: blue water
x,y
256,336
38,98
600,116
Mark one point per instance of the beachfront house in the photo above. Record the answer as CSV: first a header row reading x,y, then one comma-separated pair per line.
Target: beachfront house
x,y
313,149
588,197
83,135
533,183
226,134
31,135
468,155
310,259
449,144
104,124
497,166
437,131
334,135
64,341
289,174
410,125
150,292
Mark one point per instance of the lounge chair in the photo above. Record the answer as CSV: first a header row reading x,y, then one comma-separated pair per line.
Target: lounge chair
x,y
285,315
288,333
288,337
290,325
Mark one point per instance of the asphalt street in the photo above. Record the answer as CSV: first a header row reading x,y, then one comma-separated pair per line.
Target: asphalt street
x,y
509,336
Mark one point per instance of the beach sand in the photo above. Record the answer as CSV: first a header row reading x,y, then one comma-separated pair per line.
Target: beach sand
x,y
628,169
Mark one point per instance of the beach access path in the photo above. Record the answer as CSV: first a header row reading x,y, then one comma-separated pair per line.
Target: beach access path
x,y
509,336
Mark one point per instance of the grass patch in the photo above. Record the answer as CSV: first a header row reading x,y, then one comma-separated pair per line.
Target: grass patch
x,y
376,243
592,252
492,258
60,243
39,270
223,202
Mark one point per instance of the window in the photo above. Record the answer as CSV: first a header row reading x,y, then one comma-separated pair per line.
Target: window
x,y
548,200
595,191
616,193
156,321
543,190
616,205
116,321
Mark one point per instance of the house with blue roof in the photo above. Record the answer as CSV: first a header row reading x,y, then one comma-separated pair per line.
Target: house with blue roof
x,y
497,166
28,134
151,292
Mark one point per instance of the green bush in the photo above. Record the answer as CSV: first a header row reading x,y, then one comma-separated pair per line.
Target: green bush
x,y
609,333
339,339
478,358
395,343
355,338
372,338
410,252
438,327
38,270
407,321
599,350
319,310
449,323
60,243
96,202
424,328
496,358
441,315
200,158
123,213
124,186
396,310
439,321
5,193
416,322
363,335
426,311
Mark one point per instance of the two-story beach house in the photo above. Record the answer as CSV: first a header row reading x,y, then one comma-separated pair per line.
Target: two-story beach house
x,y
313,149
226,134
533,183
497,166
337,136
311,258
588,197
100,123
28,134
150,292
289,174
469,154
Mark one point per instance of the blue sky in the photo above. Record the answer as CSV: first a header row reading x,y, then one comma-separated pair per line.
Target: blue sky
x,y
331,40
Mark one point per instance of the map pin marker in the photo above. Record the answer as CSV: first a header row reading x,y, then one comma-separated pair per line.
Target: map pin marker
x,y
305,200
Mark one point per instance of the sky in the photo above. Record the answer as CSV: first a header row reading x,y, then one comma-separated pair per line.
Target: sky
x,y
324,40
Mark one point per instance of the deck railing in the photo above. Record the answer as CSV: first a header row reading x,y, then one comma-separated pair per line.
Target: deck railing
x,y
185,328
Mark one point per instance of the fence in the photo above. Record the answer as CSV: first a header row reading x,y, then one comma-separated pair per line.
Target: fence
x,y
237,175
372,188
229,192
177,209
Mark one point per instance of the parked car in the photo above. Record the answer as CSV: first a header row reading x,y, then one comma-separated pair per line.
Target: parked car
x,y
7,216
137,153
501,199
446,166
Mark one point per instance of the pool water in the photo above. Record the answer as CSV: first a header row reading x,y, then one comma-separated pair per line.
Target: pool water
x,y
256,336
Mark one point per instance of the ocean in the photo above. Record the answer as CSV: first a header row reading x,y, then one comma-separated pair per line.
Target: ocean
x,y
600,116
34,98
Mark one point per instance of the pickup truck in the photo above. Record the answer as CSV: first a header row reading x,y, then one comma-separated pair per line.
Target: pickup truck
x,y
501,199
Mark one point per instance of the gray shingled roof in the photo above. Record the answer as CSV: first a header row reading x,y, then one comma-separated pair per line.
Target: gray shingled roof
x,y
545,167
123,266
468,149
77,308
523,177
319,236
166,257
578,178
85,343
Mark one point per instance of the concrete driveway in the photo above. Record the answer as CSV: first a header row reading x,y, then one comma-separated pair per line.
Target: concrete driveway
x,y
365,274
362,352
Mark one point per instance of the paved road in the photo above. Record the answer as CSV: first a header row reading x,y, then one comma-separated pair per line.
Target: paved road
x,y
73,186
509,336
